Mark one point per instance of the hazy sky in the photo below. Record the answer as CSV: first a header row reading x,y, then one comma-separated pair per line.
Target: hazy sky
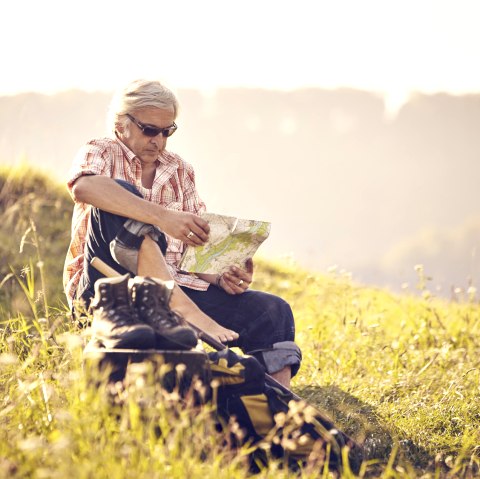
x,y
392,47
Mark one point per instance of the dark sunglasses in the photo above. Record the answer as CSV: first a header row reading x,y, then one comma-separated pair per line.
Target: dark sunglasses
x,y
150,130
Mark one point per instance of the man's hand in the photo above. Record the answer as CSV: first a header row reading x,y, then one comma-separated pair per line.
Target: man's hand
x,y
187,227
104,193
236,280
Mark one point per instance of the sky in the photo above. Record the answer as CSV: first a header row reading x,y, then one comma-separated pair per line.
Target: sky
x,y
390,47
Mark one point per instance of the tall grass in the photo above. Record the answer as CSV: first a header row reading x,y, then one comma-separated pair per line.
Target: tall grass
x,y
399,373
35,218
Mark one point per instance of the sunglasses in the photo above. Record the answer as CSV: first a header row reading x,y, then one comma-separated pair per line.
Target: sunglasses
x,y
151,131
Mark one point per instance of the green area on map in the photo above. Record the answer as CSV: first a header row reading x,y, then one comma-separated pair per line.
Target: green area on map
x,y
231,242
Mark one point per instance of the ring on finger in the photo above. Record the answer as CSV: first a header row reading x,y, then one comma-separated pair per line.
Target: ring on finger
x,y
240,282
190,234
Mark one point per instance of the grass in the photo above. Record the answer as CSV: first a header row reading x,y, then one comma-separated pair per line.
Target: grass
x,y
399,373
35,216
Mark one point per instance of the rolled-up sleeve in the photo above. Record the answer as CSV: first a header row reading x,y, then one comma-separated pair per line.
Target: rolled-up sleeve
x,y
91,159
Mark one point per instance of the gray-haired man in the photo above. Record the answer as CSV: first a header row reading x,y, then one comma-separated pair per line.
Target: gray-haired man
x,y
136,207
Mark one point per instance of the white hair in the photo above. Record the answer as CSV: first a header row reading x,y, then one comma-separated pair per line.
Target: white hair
x,y
139,94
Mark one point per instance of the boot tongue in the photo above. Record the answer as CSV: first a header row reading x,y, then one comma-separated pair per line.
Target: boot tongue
x,y
169,285
119,294
147,294
165,289
162,289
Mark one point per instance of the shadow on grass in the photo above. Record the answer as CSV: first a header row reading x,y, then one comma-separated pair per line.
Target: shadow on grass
x,y
360,421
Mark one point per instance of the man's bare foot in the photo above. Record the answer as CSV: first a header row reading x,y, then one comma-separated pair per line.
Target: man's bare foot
x,y
183,305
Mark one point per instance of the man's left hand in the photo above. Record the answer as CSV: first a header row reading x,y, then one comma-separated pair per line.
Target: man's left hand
x,y
237,280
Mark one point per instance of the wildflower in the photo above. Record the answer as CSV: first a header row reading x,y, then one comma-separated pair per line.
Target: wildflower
x,y
7,358
280,419
24,271
31,443
426,294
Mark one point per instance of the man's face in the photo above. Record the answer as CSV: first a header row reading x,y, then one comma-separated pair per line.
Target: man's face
x,y
145,147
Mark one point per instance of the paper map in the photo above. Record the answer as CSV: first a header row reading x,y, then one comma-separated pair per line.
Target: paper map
x,y
231,242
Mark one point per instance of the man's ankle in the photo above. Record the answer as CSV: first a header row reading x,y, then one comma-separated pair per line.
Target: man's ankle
x,y
283,376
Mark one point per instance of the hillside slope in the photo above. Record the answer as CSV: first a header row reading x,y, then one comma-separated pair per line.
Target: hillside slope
x,y
35,215
400,374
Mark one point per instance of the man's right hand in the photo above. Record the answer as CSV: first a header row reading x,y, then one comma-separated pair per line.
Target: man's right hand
x,y
104,193
187,227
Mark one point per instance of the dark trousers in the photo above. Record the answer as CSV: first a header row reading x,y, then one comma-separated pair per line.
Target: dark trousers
x,y
263,321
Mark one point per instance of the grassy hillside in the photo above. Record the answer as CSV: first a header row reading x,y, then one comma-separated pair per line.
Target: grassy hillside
x,y
34,232
400,374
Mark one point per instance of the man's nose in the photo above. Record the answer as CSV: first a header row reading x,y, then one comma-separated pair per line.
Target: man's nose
x,y
158,140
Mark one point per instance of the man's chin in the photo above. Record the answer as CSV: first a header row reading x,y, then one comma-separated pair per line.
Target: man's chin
x,y
149,157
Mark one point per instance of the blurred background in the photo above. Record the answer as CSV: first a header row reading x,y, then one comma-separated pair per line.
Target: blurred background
x,y
351,126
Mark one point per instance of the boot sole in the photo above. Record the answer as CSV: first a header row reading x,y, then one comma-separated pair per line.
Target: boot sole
x,y
138,338
187,341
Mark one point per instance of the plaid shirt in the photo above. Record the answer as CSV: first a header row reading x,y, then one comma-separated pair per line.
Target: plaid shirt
x,y
173,187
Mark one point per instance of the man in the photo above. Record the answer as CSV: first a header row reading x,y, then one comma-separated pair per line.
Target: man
x,y
137,207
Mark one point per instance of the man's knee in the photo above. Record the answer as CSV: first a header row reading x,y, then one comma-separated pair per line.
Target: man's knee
x,y
125,247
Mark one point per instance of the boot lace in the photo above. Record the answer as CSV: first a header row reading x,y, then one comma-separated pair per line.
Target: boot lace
x,y
152,307
121,313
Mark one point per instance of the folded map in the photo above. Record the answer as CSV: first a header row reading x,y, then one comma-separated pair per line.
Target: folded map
x,y
231,242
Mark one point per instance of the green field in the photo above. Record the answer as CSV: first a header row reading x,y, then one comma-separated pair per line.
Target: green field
x,y
398,373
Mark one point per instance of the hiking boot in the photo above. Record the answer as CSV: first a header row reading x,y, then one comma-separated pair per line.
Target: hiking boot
x,y
115,323
150,298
